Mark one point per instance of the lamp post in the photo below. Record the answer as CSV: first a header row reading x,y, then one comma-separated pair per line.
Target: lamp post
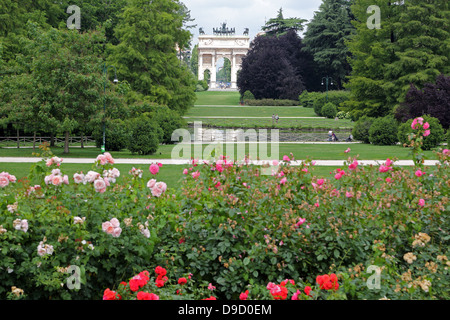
x,y
105,72
327,78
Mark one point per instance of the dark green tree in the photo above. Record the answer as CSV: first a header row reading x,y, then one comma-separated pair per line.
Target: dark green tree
x,y
149,33
326,36
410,47
279,25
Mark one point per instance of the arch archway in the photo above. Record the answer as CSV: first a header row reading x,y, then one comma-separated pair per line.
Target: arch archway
x,y
211,48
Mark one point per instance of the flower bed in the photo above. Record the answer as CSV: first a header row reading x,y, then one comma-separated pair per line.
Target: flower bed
x,y
228,232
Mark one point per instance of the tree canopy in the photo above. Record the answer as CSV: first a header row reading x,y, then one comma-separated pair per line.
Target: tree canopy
x,y
326,36
410,47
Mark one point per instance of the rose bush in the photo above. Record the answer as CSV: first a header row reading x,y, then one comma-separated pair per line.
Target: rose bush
x,y
236,231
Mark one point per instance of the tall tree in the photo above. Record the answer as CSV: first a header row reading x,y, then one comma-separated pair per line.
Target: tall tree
x,y
279,25
146,57
269,70
410,47
326,36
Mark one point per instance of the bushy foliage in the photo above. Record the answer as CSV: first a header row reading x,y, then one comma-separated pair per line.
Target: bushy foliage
x,y
361,128
432,100
144,135
232,230
435,137
116,135
276,68
383,131
272,102
247,95
318,99
343,115
329,110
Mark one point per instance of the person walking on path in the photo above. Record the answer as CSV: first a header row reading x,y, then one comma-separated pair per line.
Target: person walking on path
x,y
276,118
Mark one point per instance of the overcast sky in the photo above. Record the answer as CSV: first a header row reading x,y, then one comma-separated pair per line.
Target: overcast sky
x,y
241,14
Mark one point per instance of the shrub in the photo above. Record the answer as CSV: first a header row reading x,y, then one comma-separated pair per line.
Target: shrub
x,y
383,131
432,100
343,115
199,88
272,102
204,84
144,135
168,120
247,96
227,229
361,129
307,98
318,103
329,110
448,138
429,142
115,135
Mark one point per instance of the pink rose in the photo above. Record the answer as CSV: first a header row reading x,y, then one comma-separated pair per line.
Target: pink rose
x,y
116,232
78,178
114,222
57,180
185,171
283,181
426,125
154,169
419,173
4,181
100,185
348,150
348,194
151,183
195,174
320,182
421,202
426,133
353,165
286,158
106,225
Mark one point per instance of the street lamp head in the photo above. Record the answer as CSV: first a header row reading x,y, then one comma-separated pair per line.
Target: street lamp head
x,y
115,80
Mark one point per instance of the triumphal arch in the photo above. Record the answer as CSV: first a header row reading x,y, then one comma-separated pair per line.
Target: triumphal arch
x,y
223,43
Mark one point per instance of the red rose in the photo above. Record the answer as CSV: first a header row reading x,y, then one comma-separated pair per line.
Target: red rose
x,y
307,290
210,298
327,285
182,281
147,296
243,295
160,271
110,295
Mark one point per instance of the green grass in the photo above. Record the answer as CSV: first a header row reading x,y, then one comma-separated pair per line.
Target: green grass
x,y
224,98
246,111
300,151
172,175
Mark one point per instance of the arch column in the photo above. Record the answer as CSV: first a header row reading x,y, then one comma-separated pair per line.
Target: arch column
x,y
234,70
201,70
212,83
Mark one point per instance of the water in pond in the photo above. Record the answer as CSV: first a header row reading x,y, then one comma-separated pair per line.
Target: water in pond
x,y
261,135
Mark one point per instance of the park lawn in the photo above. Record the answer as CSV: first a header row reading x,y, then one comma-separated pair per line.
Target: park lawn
x,y
172,175
246,111
283,123
224,98
300,151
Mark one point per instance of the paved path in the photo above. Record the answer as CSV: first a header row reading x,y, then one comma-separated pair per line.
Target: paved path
x,y
187,161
